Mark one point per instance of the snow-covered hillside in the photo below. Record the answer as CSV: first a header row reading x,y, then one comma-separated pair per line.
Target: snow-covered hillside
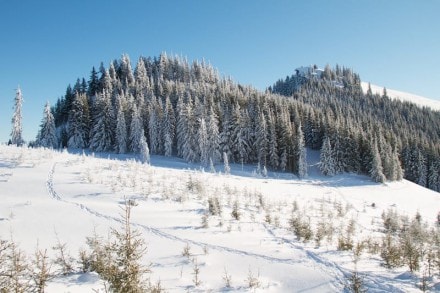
x,y
49,196
394,94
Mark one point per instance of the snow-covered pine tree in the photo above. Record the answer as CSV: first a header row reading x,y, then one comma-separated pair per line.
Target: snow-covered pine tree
x,y
227,168
273,143
226,133
121,132
202,135
339,153
434,176
327,162
142,82
285,139
241,135
262,140
155,126
190,146
78,122
398,171
422,171
376,172
213,137
102,135
168,127
301,153
47,136
126,73
136,131
17,127
180,125
145,151
93,85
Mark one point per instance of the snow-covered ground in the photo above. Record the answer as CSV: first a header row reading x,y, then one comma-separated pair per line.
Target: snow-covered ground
x,y
47,195
403,96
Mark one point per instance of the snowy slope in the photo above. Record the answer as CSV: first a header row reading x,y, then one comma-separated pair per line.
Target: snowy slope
x,y
47,195
394,94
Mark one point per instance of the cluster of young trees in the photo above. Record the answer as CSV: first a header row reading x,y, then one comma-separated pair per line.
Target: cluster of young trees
x,y
176,108
118,262
378,132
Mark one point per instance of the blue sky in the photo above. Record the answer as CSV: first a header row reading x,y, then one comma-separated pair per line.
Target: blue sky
x,y
45,45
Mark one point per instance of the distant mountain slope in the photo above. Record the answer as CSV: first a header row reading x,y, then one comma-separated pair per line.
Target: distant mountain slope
x,y
419,100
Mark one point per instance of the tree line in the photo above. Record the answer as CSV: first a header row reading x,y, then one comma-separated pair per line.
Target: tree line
x,y
403,132
188,110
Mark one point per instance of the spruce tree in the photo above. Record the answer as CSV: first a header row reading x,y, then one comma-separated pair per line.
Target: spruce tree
x,y
102,134
78,123
93,86
121,132
47,136
227,168
17,128
203,143
327,163
213,137
136,131
376,171
154,126
180,126
145,151
262,141
301,153
168,127
272,142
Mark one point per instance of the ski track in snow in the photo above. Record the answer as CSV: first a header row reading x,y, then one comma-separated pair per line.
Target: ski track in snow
x,y
339,274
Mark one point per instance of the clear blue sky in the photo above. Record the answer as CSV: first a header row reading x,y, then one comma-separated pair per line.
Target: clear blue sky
x,y
45,45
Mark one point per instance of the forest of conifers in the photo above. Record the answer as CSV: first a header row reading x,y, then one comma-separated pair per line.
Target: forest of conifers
x,y
190,111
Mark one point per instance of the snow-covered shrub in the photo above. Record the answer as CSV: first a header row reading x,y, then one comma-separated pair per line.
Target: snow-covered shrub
x,y
236,210
390,252
300,227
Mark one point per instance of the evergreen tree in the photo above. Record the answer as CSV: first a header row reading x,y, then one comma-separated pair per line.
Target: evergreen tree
x,y
227,168
17,128
262,141
47,135
203,143
136,131
93,87
272,142
168,127
78,123
190,145
121,132
422,171
126,74
327,163
434,176
213,137
155,126
376,172
181,124
301,153
145,151
102,134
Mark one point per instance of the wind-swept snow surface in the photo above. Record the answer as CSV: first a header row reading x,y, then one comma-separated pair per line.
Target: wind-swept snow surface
x,y
403,96
236,225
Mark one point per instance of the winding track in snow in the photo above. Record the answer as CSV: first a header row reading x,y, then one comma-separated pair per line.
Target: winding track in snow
x,y
327,267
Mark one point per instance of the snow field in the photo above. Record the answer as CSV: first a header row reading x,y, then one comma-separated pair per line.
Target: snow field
x,y
402,96
44,192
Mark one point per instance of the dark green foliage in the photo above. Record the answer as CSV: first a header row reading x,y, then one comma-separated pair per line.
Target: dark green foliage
x,y
355,284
